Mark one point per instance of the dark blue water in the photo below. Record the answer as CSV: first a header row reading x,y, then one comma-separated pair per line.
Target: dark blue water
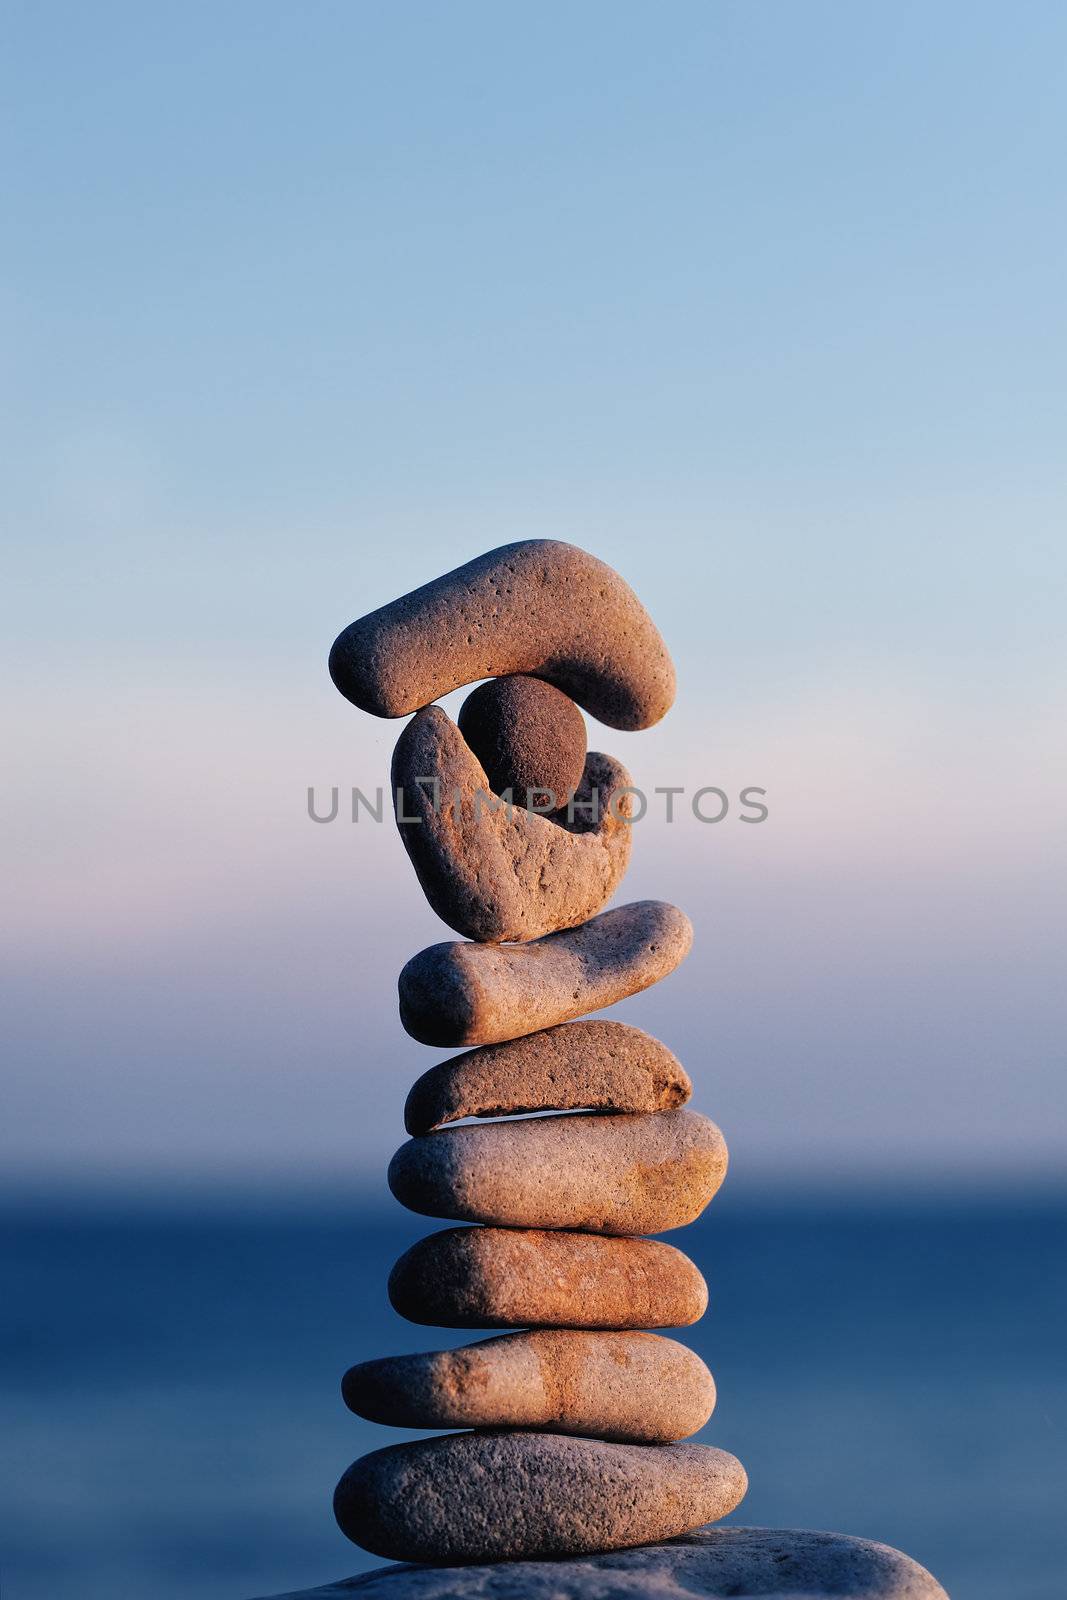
x,y
172,1426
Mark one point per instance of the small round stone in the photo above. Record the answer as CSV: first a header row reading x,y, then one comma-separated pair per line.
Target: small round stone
x,y
530,738
638,1388
528,1277
613,1174
520,1496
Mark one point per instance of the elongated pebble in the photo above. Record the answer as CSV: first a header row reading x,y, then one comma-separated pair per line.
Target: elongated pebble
x,y
514,1496
494,871
639,1388
465,994
589,1066
518,1278
541,607
606,1174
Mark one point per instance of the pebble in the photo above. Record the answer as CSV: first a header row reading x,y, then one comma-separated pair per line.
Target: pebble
x,y
606,1174
476,1497
529,738
708,1564
540,607
587,1066
639,1388
517,1278
494,872
465,994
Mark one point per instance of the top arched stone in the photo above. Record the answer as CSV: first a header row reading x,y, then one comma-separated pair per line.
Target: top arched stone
x,y
540,607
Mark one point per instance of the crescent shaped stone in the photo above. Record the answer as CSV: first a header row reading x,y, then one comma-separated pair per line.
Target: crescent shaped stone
x,y
540,607
496,872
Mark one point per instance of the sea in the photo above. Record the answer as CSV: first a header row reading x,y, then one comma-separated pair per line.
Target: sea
x,y
172,1426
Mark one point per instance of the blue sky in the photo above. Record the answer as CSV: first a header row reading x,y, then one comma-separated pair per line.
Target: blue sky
x,y
301,305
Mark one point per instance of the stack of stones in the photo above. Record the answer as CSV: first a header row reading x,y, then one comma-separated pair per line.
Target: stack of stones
x,y
572,1424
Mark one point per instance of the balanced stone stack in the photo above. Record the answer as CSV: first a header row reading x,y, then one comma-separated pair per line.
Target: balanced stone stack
x,y
519,837
572,1425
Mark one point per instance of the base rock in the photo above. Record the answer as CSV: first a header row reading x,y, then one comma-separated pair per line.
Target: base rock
x,y
773,1563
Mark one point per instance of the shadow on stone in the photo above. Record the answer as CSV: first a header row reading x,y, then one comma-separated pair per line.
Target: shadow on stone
x,y
776,1564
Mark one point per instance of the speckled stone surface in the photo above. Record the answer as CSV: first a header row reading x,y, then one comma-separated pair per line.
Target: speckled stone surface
x,y
539,607
515,1496
607,1174
497,872
464,994
518,1278
708,1564
529,737
592,1066
639,1388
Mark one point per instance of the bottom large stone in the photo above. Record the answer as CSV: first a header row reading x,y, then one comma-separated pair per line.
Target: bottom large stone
x,y
477,1497
771,1563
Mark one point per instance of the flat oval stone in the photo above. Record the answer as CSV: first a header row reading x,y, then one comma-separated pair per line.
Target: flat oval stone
x,y
605,1174
709,1564
464,994
540,607
578,1066
517,1278
520,1496
636,1387
493,871
529,737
